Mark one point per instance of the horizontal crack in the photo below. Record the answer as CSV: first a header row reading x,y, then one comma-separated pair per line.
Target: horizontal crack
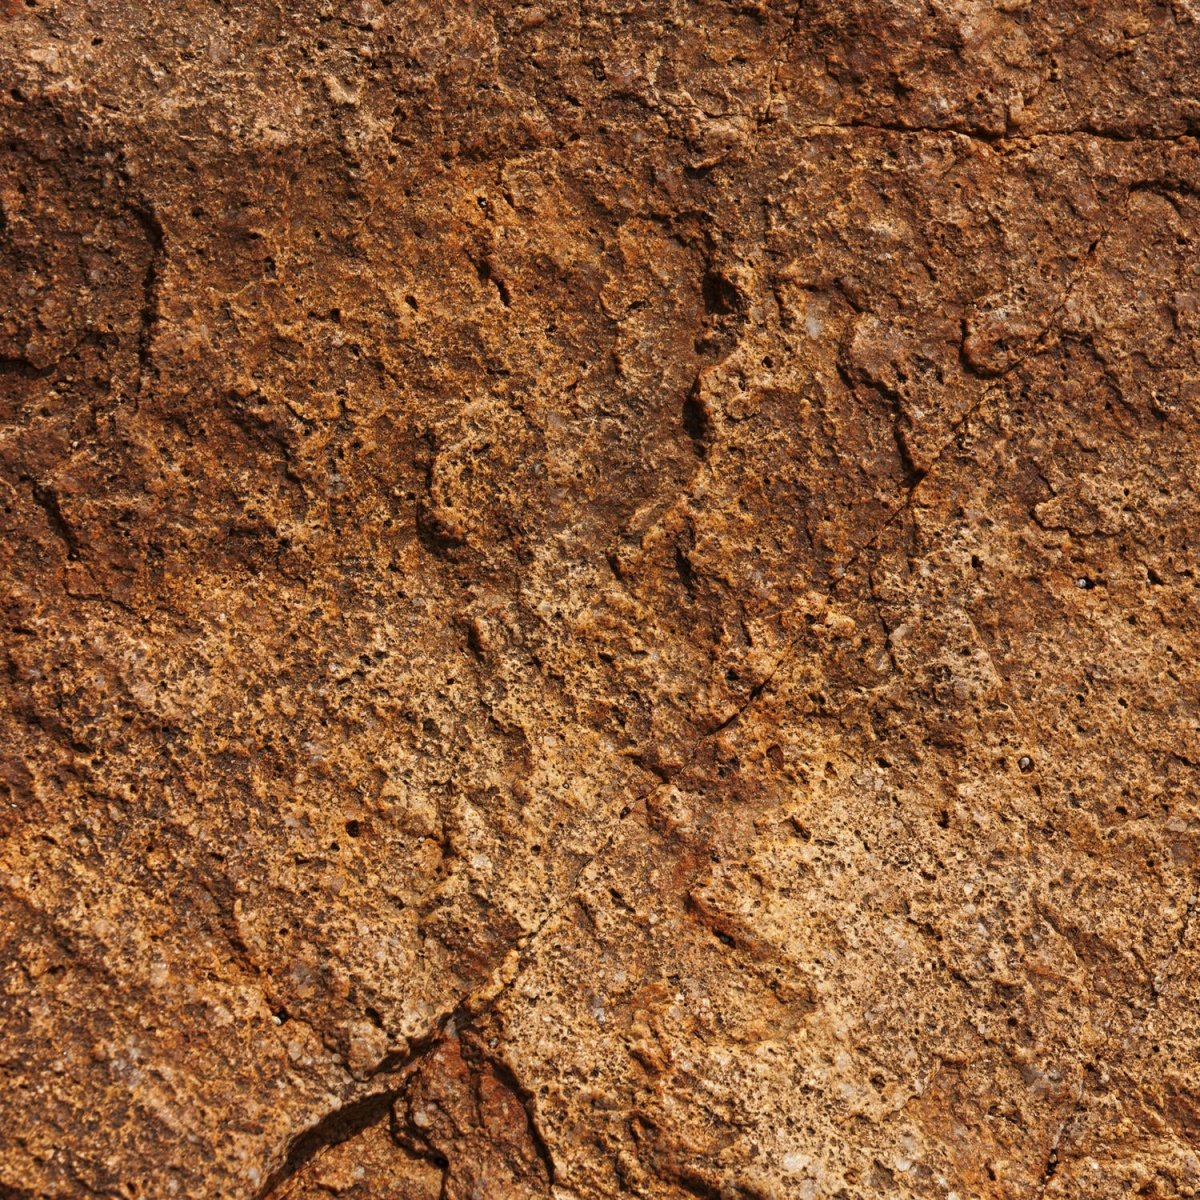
x,y
992,138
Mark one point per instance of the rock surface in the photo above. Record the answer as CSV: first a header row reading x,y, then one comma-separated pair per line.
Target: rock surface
x,y
600,599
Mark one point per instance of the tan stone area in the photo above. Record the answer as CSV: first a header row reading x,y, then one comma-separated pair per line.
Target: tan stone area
x,y
599,599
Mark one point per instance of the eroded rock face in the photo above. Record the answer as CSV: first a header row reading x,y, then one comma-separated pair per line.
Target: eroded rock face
x,y
600,600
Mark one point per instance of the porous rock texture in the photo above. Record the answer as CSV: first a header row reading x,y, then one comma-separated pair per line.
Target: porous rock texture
x,y
599,599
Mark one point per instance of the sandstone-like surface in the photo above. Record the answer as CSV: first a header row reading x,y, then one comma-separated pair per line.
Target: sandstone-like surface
x,y
600,600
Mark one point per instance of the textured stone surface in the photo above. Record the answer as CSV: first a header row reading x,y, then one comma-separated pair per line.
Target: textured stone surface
x,y
600,600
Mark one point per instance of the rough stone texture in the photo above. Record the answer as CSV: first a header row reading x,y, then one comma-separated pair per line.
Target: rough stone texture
x,y
600,599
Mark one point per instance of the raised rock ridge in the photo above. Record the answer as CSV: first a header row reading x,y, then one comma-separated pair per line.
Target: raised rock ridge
x,y
600,599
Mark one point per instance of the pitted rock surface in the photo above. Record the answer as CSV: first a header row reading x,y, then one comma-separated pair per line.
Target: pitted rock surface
x,y
600,599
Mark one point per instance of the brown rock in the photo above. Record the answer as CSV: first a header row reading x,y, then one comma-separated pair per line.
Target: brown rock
x,y
599,601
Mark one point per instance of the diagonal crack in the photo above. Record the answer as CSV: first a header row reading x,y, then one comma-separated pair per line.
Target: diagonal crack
x,y
149,314
46,498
